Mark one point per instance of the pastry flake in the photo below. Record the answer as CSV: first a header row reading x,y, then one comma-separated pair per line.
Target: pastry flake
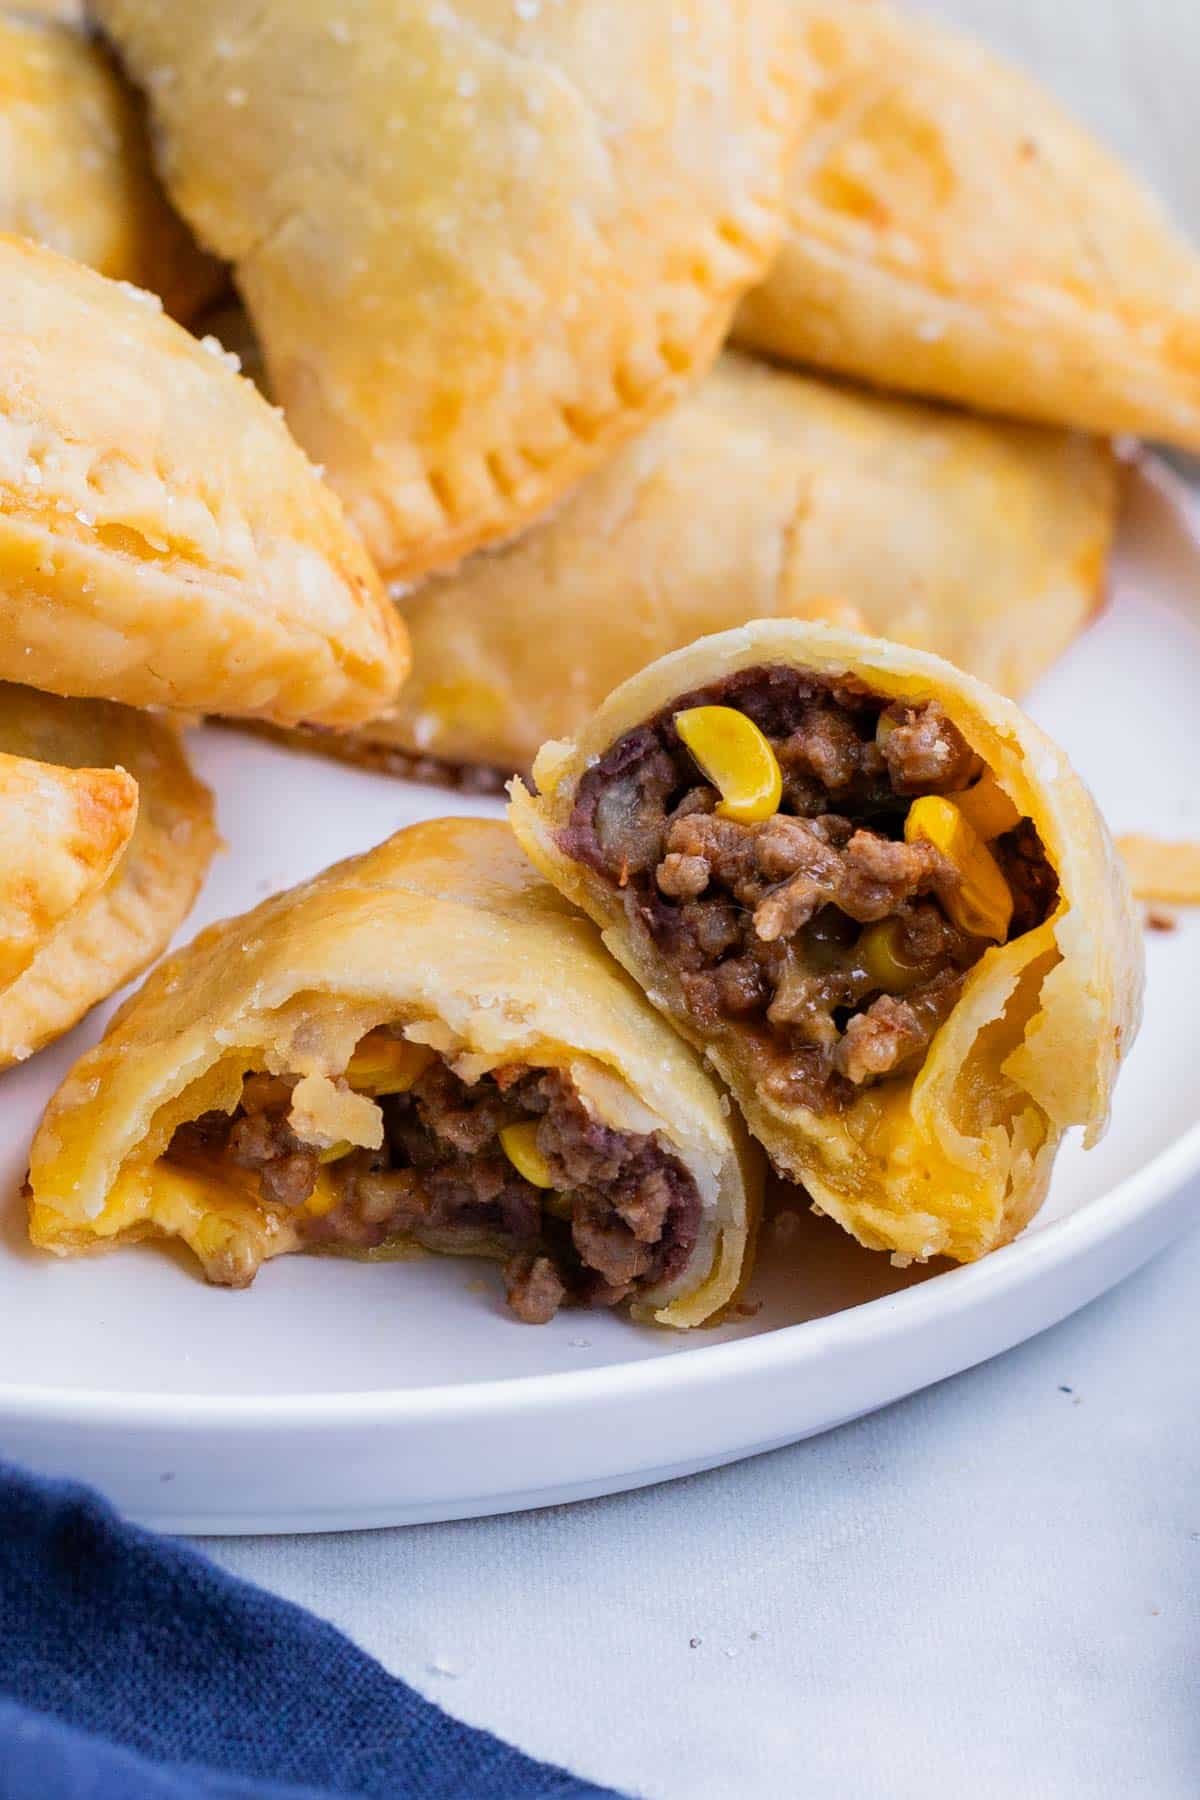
x,y
763,494
951,232
163,542
915,976
78,174
481,243
1162,868
423,1047
137,897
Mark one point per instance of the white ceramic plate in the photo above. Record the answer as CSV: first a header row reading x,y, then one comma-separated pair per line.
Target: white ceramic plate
x,y
333,1394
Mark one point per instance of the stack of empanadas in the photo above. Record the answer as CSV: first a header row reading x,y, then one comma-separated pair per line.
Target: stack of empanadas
x,y
486,258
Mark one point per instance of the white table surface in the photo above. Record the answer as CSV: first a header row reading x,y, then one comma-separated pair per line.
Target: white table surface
x,y
992,1589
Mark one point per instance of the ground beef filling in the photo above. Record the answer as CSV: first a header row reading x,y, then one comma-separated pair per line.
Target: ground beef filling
x,y
766,925
623,1214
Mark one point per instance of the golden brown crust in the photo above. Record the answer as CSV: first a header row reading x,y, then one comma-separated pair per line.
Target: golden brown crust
x,y
162,540
63,831
445,929
764,494
77,169
534,229
956,1160
131,910
952,232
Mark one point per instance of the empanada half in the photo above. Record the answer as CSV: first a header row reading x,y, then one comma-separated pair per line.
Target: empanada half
x,y
876,897
483,243
764,493
62,831
76,171
423,1047
135,900
951,232
163,541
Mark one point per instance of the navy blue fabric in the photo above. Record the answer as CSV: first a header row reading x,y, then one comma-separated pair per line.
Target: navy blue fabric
x,y
132,1668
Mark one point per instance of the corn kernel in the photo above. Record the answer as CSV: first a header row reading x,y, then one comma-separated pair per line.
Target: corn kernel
x,y
335,1152
519,1143
981,904
324,1196
987,807
382,1064
879,948
735,756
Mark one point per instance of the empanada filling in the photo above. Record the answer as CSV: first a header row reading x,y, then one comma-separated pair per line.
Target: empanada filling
x,y
512,1164
819,867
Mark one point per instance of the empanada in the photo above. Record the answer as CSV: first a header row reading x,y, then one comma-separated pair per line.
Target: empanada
x,y
75,166
126,916
763,493
162,539
424,1046
877,897
952,233
62,831
482,243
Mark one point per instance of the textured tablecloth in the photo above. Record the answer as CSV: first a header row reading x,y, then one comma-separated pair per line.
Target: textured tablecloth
x,y
991,1590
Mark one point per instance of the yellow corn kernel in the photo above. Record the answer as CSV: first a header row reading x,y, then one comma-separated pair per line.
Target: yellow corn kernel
x,y
519,1143
735,756
382,1064
879,949
987,807
324,1196
981,904
335,1152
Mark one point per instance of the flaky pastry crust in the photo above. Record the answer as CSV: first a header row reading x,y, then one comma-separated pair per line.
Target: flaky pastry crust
x,y
952,232
63,831
763,494
78,173
136,899
163,541
482,243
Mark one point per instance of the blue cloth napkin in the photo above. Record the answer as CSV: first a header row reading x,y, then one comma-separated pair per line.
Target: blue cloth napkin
x,y
132,1668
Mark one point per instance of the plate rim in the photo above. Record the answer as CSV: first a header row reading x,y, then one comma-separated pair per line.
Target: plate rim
x,y
871,1322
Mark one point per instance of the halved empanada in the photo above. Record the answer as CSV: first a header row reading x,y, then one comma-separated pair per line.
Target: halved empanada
x,y
877,897
423,1046
75,167
763,493
130,908
951,232
162,539
62,831
482,243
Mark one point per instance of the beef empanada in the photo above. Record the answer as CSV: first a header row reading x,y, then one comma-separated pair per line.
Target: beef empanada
x,y
162,539
76,171
134,901
423,1046
952,232
62,831
763,493
877,897
481,243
